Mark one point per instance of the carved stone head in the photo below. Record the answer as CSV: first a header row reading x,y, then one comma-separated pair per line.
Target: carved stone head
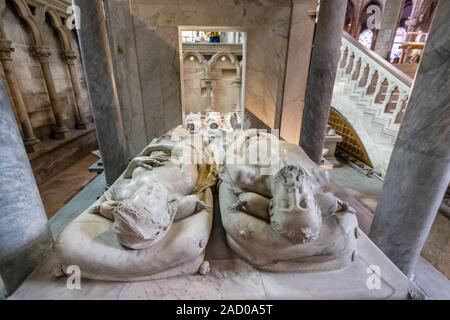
x,y
144,219
293,211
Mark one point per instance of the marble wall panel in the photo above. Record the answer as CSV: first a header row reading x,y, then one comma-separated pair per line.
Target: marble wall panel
x,y
153,53
299,53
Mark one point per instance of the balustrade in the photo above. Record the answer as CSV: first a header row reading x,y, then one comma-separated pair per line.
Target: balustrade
x,y
373,78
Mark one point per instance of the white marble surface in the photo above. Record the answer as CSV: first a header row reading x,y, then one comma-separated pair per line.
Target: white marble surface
x,y
231,279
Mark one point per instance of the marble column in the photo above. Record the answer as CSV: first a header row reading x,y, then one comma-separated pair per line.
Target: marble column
x,y
102,86
389,23
322,74
238,83
419,171
29,139
81,117
208,85
43,55
24,234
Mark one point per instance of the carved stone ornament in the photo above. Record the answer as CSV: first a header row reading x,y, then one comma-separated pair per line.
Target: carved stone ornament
x,y
42,54
6,50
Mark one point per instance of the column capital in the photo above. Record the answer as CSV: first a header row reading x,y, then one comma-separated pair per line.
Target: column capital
x,y
237,81
6,49
42,54
411,22
69,56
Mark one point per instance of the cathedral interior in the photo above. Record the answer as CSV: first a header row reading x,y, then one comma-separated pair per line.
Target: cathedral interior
x,y
234,149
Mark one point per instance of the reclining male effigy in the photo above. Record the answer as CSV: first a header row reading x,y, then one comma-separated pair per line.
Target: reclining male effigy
x,y
283,220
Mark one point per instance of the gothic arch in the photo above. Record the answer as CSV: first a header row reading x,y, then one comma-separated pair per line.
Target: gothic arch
x,y
57,25
230,56
26,15
201,59
2,12
352,143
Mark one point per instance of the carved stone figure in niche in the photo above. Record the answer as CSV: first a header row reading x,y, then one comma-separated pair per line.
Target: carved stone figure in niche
x,y
284,220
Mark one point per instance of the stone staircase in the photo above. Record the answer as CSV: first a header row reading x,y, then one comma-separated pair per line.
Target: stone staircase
x,y
372,94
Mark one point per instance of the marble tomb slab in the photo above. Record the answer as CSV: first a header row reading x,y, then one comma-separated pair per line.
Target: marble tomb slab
x,y
232,279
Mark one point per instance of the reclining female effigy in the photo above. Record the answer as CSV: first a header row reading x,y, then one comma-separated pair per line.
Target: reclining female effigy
x,y
153,222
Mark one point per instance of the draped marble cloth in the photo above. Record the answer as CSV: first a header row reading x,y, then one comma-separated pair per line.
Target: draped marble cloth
x,y
207,177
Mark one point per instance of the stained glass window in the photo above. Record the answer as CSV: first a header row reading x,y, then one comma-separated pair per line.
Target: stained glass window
x,y
365,38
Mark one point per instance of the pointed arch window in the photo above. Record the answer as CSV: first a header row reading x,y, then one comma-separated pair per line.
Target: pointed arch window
x,y
400,37
366,38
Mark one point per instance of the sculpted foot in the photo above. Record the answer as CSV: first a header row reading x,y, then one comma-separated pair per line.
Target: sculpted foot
x,y
204,268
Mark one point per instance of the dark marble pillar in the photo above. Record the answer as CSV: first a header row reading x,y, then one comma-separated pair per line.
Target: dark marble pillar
x,y
419,171
322,74
389,23
102,86
24,235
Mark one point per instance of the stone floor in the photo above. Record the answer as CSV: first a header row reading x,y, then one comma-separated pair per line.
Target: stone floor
x,y
61,188
367,189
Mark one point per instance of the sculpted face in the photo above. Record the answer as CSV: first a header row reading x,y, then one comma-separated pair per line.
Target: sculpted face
x,y
144,219
293,210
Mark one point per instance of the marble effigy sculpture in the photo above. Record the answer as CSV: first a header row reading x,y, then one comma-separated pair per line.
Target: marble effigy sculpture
x,y
154,221
283,220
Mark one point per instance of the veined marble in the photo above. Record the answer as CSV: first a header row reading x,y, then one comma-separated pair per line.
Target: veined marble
x,y
145,42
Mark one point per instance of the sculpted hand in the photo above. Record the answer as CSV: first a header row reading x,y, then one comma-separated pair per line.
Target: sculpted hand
x,y
237,206
201,206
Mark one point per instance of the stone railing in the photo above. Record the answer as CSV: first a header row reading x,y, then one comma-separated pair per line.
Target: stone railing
x,y
380,88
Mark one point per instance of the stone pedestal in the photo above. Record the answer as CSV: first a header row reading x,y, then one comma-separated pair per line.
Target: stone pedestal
x,y
24,234
322,75
232,279
331,141
419,171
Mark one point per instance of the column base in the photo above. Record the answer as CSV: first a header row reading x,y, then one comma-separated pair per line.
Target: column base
x,y
62,134
31,145
83,125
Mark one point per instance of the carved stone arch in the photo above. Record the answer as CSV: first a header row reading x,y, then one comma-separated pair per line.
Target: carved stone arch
x,y
200,58
352,143
57,25
230,56
2,12
26,15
